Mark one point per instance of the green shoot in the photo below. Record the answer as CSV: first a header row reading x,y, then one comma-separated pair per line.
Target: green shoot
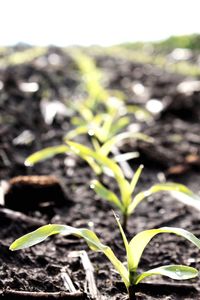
x,y
103,149
113,115
126,203
45,154
104,127
134,250
92,78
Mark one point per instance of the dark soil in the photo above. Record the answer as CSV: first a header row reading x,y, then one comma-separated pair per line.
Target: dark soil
x,y
30,202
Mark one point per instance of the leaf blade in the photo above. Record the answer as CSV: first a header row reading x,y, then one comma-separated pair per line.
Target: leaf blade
x,y
177,272
45,154
104,193
107,146
141,240
89,236
136,177
160,187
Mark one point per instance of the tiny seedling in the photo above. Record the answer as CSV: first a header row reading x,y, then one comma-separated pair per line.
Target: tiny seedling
x,y
104,149
134,250
100,115
97,94
125,203
102,125
92,78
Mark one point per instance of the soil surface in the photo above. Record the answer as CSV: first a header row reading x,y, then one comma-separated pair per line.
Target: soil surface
x,y
66,197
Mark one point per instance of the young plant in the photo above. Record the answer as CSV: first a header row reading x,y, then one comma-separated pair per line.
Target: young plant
x,y
104,127
92,78
103,149
134,250
126,203
100,114
97,94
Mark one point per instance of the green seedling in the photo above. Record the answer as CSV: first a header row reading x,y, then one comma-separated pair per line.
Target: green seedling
x,y
96,94
104,127
100,162
92,78
134,250
103,149
126,203
104,130
113,116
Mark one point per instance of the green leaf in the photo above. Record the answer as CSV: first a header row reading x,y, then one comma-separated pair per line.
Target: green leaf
x,y
91,162
118,125
91,77
161,187
45,154
77,121
102,160
91,126
106,148
95,144
37,236
84,111
89,236
177,272
104,193
141,240
136,177
106,128
171,186
125,194
75,132
126,244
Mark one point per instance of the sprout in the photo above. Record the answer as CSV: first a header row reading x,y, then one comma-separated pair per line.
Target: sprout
x,y
126,203
134,250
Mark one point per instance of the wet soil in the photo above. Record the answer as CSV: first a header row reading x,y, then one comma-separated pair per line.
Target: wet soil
x,y
175,155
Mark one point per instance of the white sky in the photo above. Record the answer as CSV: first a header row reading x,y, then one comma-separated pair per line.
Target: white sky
x,y
86,22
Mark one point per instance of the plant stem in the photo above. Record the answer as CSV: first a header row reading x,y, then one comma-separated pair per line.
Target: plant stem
x,y
131,292
124,223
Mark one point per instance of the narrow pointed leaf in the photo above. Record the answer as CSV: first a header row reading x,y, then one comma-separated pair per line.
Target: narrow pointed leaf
x,y
125,193
95,167
141,240
161,187
118,125
104,161
75,132
177,272
126,244
136,177
89,236
45,154
104,193
85,112
106,148
95,144
101,159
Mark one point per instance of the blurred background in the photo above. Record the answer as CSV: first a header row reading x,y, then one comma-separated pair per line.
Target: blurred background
x,y
54,53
